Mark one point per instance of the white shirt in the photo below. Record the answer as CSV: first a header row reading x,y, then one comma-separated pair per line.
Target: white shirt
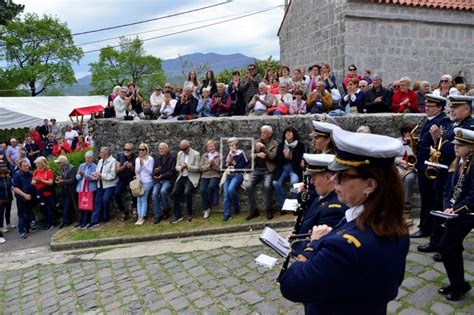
x,y
168,110
156,100
70,135
260,106
186,158
120,107
353,213
145,172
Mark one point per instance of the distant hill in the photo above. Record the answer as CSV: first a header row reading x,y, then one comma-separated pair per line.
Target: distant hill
x,y
172,68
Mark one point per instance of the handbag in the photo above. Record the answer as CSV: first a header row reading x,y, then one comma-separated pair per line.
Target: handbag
x,y
137,188
86,197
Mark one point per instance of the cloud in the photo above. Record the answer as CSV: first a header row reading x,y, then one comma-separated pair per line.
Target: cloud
x,y
255,36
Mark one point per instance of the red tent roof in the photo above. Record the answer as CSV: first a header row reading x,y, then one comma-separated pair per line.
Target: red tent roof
x,y
87,110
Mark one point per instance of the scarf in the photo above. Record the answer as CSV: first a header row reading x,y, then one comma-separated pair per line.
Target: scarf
x,y
291,145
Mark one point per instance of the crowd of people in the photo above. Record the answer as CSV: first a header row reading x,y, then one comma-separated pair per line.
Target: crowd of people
x,y
281,93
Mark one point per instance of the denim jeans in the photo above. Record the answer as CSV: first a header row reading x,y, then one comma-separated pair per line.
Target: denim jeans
x,y
231,197
68,204
142,201
183,186
121,187
160,197
257,175
287,173
103,198
25,214
207,188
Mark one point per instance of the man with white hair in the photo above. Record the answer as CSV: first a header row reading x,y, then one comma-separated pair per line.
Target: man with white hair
x,y
189,173
260,102
378,98
265,152
12,154
185,108
446,88
164,175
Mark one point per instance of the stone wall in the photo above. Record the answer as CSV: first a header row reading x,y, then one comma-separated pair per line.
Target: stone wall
x,y
393,40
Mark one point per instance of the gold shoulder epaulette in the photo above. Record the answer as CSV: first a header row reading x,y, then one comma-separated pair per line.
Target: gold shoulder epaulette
x,y
334,205
308,249
352,240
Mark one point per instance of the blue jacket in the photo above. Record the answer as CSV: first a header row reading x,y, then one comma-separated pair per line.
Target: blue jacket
x,y
465,203
328,210
359,101
6,188
88,171
425,140
349,271
22,181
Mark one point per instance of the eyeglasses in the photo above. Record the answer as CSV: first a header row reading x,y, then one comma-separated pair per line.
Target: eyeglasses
x,y
141,149
444,81
251,69
396,86
183,149
128,150
340,176
352,69
431,106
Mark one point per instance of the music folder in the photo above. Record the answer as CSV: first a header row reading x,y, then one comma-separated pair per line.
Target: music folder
x,y
443,214
272,239
266,261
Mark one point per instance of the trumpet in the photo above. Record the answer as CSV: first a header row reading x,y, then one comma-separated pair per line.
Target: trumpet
x,y
431,172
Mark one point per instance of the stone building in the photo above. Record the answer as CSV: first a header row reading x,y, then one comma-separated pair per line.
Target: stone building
x,y
422,39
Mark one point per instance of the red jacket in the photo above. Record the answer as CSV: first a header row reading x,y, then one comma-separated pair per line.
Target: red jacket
x,y
223,106
65,149
399,97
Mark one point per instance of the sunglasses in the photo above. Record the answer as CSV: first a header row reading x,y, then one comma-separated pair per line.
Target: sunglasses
x,y
340,176
128,150
250,69
396,86
352,69
444,81
141,149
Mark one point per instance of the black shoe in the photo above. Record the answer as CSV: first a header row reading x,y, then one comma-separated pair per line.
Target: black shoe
x,y
269,214
166,214
78,225
190,218
283,212
427,248
444,290
457,294
157,220
63,225
176,220
437,257
253,214
419,234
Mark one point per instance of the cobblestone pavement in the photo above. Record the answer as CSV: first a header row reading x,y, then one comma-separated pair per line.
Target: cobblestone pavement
x,y
224,280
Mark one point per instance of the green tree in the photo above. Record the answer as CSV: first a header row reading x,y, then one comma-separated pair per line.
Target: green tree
x,y
9,10
39,52
225,76
127,63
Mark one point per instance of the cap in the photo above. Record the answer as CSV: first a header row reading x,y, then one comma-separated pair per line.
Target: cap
x,y
463,136
357,149
317,163
61,159
456,100
431,98
323,128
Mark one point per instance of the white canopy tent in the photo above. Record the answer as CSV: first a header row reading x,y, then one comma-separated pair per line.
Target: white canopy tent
x,y
21,112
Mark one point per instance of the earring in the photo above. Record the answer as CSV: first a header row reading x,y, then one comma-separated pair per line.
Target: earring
x,y
367,193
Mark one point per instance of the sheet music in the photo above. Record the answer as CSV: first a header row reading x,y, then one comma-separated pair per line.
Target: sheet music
x,y
290,205
442,214
266,261
273,240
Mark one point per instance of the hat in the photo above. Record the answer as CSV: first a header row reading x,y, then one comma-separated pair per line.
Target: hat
x,y
456,100
357,149
317,163
61,159
431,98
323,128
463,136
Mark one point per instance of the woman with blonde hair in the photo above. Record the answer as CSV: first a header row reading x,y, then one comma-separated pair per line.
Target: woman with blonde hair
x,y
144,172
86,182
43,181
210,167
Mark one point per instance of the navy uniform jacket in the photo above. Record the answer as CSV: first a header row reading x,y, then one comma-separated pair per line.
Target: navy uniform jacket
x,y
425,140
465,202
328,210
447,151
348,272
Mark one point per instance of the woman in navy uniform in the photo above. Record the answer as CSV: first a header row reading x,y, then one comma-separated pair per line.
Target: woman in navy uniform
x,y
326,208
357,267
458,199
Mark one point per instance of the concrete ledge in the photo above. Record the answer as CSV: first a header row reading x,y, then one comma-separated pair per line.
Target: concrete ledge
x,y
54,246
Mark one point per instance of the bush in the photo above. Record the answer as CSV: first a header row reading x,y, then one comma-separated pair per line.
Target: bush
x,y
74,158
7,134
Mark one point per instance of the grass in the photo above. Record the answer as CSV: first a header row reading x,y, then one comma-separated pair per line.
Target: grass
x,y
116,228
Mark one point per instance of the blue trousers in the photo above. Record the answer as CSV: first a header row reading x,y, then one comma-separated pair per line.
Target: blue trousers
x,y
231,197
207,187
142,201
120,188
25,215
103,197
160,197
287,173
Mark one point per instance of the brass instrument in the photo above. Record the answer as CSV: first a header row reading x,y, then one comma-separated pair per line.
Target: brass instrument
x,y
431,172
413,142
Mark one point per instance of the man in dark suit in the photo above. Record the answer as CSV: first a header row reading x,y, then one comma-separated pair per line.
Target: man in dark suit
x,y
378,98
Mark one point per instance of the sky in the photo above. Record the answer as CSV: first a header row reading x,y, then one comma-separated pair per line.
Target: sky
x,y
254,36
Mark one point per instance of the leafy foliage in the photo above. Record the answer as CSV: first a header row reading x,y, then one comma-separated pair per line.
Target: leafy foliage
x,y
128,63
74,158
8,11
7,134
40,52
